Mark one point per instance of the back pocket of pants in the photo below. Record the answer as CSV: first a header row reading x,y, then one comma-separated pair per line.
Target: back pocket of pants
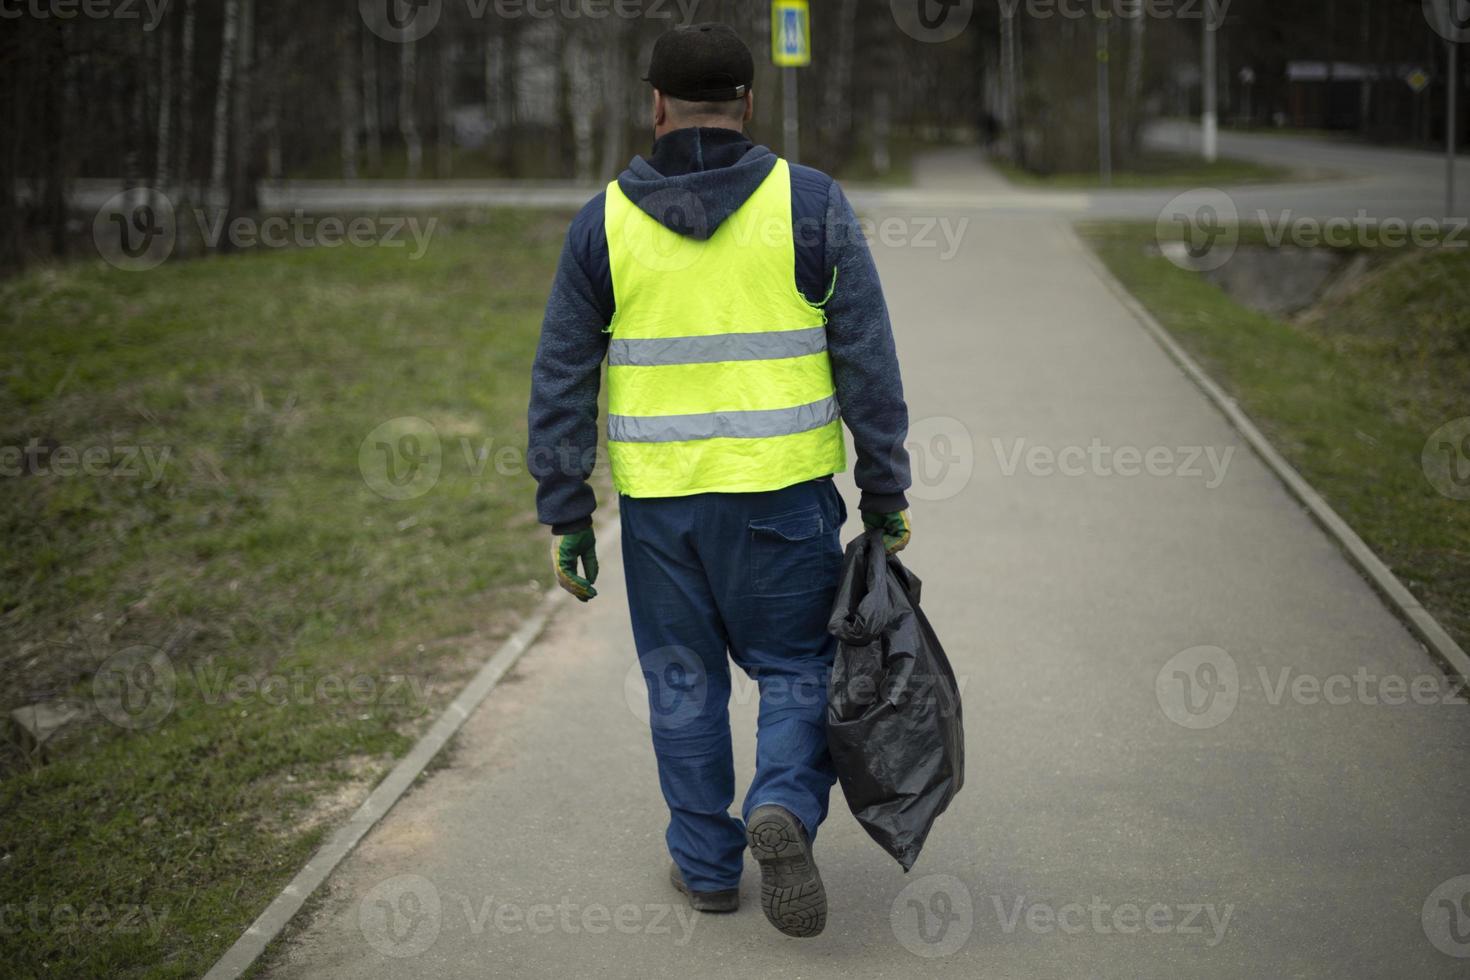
x,y
788,553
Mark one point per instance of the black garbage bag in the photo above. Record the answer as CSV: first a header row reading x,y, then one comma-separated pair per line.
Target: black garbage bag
x,y
893,707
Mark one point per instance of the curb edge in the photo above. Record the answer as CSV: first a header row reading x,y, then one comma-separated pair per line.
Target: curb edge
x,y
272,921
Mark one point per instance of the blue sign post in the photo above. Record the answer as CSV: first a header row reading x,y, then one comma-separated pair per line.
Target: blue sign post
x,y
791,48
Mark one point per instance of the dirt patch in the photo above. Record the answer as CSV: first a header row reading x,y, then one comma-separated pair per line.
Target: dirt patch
x,y
307,805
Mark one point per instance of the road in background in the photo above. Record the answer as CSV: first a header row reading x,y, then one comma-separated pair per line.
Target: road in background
x,y
1380,183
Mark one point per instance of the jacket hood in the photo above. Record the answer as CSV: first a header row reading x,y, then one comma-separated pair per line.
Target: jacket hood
x,y
696,179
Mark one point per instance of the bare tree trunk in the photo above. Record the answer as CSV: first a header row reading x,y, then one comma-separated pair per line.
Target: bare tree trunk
x,y
12,122
347,111
273,153
242,184
883,67
11,254
497,105
1365,87
150,53
506,97
133,164
560,99
837,111
443,108
165,108
372,120
581,102
59,100
766,86
1330,13
134,157
882,131
489,89
408,67
1009,80
186,97
615,89
1133,84
222,99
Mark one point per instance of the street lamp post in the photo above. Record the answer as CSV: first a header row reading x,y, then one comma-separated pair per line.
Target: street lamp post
x,y
1210,122
791,48
1452,26
790,111
1104,105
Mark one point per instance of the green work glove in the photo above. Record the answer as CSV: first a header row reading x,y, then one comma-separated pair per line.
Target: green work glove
x,y
565,550
895,527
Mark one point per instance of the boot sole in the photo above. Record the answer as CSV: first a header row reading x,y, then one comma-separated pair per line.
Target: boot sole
x,y
792,894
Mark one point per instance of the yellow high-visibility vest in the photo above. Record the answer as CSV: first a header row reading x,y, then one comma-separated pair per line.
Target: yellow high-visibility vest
x,y
718,375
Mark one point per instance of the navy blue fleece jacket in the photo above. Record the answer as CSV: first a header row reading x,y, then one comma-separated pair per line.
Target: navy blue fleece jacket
x,y
721,168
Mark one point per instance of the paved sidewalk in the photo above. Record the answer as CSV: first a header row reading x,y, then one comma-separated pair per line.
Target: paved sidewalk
x,y
1096,837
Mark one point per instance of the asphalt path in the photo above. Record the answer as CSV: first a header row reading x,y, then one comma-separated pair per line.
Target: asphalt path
x,y
1198,743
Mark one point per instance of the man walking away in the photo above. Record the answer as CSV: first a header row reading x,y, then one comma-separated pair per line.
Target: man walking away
x,y
736,304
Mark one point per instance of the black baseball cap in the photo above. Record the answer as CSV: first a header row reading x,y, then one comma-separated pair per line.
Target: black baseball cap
x,y
701,63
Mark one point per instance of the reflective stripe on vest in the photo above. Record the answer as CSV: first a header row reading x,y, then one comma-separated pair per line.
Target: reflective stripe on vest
x,y
652,351
753,424
718,375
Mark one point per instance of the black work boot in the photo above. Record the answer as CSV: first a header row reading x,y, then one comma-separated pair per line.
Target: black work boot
x,y
727,900
792,894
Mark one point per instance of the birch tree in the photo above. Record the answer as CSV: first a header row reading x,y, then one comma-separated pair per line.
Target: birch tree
x,y
220,155
766,85
347,108
443,107
616,62
242,187
136,112
1010,81
275,58
186,95
372,123
1133,83
165,108
506,95
582,102
408,68
837,96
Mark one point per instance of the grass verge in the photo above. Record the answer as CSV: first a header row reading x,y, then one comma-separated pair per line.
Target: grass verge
x,y
253,605
1155,169
1350,392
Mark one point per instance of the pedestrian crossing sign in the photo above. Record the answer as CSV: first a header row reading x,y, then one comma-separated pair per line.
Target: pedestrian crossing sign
x,y
791,33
